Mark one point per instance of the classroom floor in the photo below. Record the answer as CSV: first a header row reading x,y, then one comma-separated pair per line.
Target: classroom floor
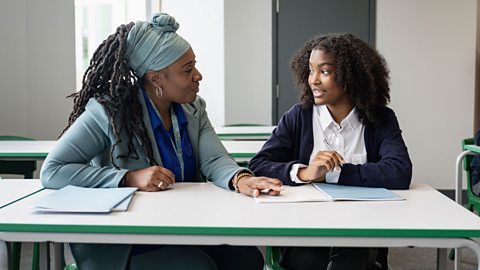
x,y
399,259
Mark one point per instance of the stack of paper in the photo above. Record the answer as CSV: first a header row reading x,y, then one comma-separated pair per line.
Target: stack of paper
x,y
86,200
321,192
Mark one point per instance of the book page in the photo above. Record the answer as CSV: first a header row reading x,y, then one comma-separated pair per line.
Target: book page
x,y
289,194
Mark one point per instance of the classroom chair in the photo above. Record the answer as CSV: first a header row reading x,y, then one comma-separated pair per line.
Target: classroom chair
x,y
25,168
473,201
377,259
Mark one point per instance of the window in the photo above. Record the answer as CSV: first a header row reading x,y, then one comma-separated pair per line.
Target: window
x,y
95,20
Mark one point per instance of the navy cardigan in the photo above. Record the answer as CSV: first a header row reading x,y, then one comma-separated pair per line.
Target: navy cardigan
x,y
388,163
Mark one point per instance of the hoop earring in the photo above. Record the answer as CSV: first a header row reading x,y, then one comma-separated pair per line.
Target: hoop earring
x,y
159,92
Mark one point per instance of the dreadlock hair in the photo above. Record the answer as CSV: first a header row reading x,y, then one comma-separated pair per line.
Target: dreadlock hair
x,y
360,70
110,81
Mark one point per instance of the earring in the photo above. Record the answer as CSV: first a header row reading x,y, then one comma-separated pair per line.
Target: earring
x,y
159,92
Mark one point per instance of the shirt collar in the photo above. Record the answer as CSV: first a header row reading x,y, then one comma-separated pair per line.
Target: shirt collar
x,y
326,118
155,119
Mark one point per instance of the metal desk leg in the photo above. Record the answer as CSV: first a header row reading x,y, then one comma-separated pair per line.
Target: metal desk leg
x,y
3,255
441,259
58,256
44,255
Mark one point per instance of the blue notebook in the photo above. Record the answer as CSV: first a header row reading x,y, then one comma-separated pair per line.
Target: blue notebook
x,y
352,193
86,200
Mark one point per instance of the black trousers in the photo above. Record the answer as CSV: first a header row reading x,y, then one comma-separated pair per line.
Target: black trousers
x,y
324,258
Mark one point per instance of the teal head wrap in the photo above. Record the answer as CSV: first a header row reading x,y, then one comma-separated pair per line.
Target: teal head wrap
x,y
154,45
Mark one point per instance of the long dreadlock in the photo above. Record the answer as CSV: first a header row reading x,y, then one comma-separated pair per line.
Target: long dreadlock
x,y
110,81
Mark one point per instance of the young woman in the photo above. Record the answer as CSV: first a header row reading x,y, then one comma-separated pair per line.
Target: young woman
x,y
341,132
138,122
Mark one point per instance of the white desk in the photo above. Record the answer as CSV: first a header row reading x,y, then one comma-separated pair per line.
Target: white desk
x,y
212,216
17,189
244,132
17,150
13,190
241,151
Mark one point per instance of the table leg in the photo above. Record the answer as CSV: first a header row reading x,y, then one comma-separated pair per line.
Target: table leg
x,y
44,250
3,255
441,259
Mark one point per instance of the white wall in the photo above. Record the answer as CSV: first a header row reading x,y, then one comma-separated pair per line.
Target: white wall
x,y
37,68
248,61
201,24
430,47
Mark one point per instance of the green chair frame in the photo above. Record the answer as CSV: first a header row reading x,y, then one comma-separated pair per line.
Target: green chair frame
x,y
25,168
473,201
272,258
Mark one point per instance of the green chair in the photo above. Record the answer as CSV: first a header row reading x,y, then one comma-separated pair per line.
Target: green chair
x,y
25,168
272,258
473,201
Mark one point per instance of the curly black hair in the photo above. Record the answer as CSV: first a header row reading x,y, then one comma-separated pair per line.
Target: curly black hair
x,y
110,81
360,70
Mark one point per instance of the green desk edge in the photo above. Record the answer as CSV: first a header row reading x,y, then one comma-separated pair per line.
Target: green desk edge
x,y
287,232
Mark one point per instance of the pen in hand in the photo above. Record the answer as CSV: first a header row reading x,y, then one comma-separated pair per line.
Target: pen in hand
x,y
331,149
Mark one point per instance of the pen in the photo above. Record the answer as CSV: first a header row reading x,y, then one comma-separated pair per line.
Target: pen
x,y
331,149
328,145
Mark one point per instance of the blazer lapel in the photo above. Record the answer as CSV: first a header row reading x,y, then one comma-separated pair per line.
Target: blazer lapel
x,y
193,130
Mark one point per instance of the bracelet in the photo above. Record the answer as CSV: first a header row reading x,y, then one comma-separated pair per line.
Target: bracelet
x,y
237,178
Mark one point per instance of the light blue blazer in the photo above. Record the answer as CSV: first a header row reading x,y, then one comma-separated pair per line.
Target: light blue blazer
x,y
82,158
82,155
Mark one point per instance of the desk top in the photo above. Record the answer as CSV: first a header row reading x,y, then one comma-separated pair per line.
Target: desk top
x,y
25,149
205,209
40,149
245,132
16,189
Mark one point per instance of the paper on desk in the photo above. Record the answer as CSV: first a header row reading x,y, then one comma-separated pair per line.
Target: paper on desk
x,y
304,193
321,192
86,200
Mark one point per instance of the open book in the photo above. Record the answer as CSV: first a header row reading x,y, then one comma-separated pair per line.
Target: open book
x,y
321,192
86,200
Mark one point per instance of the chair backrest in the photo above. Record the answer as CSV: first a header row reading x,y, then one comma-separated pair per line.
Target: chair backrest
x,y
468,159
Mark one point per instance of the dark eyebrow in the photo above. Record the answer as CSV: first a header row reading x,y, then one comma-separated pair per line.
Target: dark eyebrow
x,y
189,63
323,64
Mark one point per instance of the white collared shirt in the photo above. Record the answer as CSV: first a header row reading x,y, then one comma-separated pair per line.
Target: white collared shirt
x,y
347,139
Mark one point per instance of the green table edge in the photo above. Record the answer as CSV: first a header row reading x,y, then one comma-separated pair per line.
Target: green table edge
x,y
231,231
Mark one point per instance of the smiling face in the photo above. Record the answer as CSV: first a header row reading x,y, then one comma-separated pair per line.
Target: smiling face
x,y
180,80
322,81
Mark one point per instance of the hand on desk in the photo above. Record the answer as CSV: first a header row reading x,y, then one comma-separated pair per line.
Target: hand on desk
x,y
251,185
323,162
154,178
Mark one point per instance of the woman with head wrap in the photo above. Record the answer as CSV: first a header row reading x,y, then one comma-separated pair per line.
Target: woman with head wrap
x,y
138,122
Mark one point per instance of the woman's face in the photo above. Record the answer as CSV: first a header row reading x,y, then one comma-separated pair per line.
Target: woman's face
x,y
180,80
322,82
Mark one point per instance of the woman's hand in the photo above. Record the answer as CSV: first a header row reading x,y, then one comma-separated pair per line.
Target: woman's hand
x,y
323,162
252,186
154,178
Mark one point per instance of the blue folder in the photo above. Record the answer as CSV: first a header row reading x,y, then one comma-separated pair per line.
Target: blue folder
x,y
86,200
353,193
